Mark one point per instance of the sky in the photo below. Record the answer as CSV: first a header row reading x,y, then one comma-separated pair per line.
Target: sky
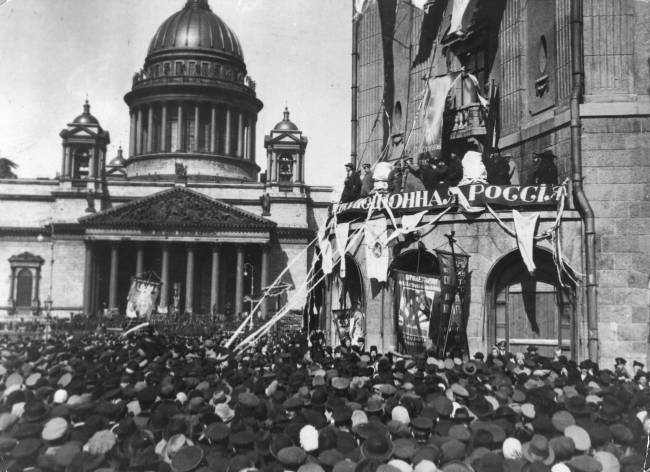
x,y
55,52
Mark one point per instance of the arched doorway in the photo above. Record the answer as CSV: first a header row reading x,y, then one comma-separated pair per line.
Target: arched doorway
x,y
525,309
24,283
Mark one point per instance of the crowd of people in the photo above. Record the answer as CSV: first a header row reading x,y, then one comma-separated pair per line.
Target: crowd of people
x,y
151,401
431,171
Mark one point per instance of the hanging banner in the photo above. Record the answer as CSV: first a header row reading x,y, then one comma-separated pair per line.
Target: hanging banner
x,y
452,335
417,310
474,195
142,298
377,256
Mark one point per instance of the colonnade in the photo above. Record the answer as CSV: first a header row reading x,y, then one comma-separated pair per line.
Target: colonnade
x,y
217,271
184,126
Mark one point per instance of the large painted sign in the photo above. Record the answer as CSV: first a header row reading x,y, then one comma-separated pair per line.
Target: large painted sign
x,y
466,197
417,309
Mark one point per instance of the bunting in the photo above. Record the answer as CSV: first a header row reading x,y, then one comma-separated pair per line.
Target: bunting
x,y
525,233
409,224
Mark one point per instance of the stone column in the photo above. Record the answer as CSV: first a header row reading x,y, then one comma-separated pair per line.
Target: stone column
x,y
214,280
139,259
269,167
150,130
67,163
12,288
240,134
189,280
197,127
88,272
164,276
247,139
163,128
63,163
264,279
36,288
138,138
227,144
252,133
239,281
112,286
179,134
213,129
92,164
132,134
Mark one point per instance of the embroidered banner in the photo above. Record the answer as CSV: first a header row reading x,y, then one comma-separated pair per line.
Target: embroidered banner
x,y
142,298
475,195
453,331
417,310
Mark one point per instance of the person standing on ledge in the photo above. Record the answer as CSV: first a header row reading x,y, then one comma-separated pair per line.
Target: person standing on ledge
x,y
352,184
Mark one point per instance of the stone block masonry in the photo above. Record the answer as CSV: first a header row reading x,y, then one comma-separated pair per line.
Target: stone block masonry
x,y
616,159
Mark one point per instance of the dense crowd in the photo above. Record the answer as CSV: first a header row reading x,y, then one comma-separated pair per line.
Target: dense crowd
x,y
155,402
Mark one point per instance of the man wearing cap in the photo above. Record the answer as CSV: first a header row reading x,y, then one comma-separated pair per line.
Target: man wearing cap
x,y
621,370
545,172
352,184
367,182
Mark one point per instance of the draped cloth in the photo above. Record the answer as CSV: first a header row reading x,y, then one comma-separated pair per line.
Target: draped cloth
x,y
525,233
341,231
376,249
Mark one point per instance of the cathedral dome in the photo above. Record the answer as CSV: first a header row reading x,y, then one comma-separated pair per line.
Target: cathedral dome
x,y
196,27
286,124
86,118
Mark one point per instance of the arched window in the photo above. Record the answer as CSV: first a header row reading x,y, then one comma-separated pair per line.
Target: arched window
x,y
24,282
286,168
525,309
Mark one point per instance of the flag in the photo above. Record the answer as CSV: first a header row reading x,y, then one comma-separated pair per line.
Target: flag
x,y
360,8
376,249
434,103
433,15
525,230
409,224
326,255
341,231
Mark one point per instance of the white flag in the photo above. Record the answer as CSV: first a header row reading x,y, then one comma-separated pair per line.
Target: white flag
x,y
376,249
457,15
434,102
525,230
341,231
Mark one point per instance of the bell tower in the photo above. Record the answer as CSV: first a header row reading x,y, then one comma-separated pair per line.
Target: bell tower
x,y
285,151
84,152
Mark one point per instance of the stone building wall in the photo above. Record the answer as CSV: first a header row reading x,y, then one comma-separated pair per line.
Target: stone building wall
x,y
616,158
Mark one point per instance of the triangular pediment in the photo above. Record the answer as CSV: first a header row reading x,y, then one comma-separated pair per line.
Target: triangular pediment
x,y
285,138
180,209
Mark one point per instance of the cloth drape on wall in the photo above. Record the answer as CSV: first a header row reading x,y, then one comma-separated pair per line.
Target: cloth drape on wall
x,y
376,249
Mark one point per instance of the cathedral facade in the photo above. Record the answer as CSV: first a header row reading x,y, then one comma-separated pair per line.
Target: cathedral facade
x,y
186,204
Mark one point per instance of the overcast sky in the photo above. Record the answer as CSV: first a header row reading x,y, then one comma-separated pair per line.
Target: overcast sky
x,y
54,52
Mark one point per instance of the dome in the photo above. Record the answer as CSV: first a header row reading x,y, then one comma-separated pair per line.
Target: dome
x,y
196,27
86,118
286,124
118,161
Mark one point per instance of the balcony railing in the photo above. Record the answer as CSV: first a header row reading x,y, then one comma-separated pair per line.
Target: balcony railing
x,y
140,79
466,121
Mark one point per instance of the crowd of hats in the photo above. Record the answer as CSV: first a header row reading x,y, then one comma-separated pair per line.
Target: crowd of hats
x,y
152,402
